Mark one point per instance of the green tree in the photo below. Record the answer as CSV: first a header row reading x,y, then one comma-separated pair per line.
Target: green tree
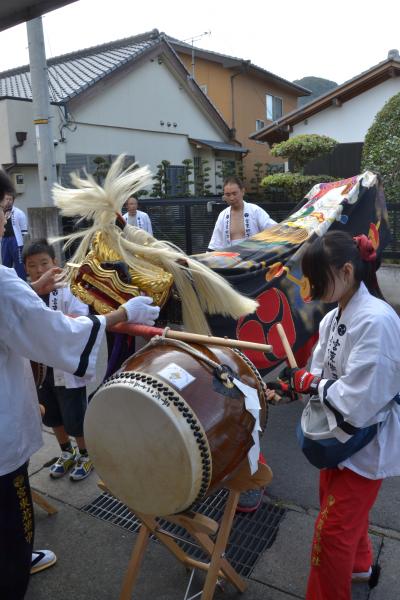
x,y
255,182
229,168
381,151
161,187
300,149
294,186
102,168
202,179
185,181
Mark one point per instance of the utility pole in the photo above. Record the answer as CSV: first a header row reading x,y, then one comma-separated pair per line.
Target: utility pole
x,y
41,110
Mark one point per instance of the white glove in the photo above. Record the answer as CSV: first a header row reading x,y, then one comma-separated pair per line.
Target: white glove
x,y
139,310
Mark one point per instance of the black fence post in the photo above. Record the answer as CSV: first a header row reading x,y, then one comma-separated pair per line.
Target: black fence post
x,y
188,229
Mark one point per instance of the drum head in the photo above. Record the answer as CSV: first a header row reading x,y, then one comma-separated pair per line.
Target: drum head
x,y
147,444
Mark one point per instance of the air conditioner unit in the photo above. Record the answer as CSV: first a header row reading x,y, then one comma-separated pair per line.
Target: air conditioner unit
x,y
18,180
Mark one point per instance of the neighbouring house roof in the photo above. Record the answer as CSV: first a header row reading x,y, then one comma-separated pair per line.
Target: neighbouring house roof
x,y
219,145
70,74
74,73
229,62
279,130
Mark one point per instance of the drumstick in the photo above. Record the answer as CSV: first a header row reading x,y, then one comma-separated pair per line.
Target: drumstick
x,y
290,356
286,345
196,338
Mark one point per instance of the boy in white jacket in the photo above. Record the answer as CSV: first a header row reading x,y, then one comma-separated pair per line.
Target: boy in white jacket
x,y
62,395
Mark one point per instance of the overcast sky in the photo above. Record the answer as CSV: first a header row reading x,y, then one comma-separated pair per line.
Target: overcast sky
x,y
292,38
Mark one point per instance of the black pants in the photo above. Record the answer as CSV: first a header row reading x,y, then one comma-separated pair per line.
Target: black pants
x,y
16,533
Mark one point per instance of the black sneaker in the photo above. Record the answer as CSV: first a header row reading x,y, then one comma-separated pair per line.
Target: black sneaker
x,y
249,501
371,576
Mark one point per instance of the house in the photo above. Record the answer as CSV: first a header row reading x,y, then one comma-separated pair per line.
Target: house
x,y
344,113
132,96
248,97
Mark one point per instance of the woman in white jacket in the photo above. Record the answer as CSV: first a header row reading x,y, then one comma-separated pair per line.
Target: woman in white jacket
x,y
355,376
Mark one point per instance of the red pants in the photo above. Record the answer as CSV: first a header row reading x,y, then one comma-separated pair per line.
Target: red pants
x,y
341,545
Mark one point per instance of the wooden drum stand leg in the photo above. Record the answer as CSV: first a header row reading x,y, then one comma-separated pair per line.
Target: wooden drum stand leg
x,y
201,528
135,562
40,501
218,561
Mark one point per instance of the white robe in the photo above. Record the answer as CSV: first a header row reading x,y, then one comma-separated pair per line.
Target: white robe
x,y
141,220
359,359
31,331
19,224
255,219
63,299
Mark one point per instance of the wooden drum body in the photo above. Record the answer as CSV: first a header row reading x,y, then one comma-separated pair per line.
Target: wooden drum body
x,y
167,429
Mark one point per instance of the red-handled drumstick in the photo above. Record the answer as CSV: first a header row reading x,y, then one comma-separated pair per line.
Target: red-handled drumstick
x,y
196,338
135,329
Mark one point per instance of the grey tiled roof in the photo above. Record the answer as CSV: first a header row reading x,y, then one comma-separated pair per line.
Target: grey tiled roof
x,y
71,73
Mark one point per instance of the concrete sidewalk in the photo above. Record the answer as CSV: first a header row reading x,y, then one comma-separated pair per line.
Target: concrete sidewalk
x,y
93,554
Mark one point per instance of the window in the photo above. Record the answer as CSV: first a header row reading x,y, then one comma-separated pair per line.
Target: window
x,y
176,180
259,124
273,107
95,164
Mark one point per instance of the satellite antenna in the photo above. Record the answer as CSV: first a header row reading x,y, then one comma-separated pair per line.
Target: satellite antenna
x,y
192,40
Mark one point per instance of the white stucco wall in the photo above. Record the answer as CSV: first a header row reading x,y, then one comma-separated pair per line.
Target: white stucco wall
x,y
31,196
140,98
17,115
351,121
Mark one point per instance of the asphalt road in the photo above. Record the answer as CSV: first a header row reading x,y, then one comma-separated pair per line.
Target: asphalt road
x,y
296,481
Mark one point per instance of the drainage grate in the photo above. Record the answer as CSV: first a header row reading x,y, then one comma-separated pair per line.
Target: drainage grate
x,y
251,533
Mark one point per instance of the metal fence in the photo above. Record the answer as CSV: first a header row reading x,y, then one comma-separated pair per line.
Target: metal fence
x,y
189,222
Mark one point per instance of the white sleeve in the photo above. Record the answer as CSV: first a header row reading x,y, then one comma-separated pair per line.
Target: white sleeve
x,y
148,225
47,336
263,219
74,305
22,221
217,238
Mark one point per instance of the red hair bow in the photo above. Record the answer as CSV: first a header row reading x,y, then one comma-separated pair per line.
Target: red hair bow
x,y
365,247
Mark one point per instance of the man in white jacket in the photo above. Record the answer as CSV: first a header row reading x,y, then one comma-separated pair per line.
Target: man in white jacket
x,y
240,220
136,217
13,238
32,331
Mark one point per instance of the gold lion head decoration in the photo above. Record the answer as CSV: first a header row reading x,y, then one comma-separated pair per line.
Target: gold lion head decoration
x,y
105,282
112,264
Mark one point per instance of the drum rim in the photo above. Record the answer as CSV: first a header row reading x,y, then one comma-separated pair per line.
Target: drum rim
x,y
171,395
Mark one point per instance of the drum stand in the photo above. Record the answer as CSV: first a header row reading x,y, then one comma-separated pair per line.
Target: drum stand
x,y
201,528
40,501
